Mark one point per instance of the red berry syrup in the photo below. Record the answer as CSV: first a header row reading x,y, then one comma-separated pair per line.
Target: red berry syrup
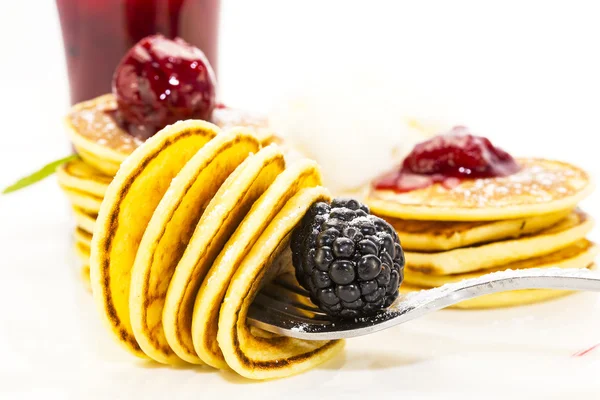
x,y
448,159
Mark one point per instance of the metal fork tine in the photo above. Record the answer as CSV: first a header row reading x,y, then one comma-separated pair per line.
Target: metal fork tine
x,y
283,294
286,282
269,305
266,317
290,307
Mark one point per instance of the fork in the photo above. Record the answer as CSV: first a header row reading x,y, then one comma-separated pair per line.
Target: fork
x,y
282,307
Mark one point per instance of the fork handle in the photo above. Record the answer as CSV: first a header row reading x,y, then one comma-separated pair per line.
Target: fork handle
x,y
423,302
414,305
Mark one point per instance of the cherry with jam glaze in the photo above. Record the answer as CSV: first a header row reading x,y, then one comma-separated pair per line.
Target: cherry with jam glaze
x,y
161,81
448,159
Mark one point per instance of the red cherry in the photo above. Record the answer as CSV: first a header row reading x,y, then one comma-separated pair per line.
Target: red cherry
x,y
161,81
459,154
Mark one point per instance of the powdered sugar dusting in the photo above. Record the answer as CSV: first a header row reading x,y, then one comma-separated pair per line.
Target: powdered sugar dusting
x,y
538,181
93,120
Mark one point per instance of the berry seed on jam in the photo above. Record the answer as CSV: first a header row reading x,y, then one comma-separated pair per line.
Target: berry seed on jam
x,y
448,159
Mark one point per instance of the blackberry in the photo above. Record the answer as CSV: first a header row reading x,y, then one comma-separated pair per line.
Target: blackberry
x,y
350,261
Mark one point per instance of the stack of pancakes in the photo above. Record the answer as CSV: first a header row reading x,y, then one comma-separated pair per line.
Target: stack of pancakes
x,y
102,146
526,220
195,222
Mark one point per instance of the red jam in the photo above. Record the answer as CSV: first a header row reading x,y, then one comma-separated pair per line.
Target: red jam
x,y
448,159
161,81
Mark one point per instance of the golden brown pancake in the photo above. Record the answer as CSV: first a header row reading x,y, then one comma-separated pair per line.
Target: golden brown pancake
x,y
170,230
223,214
430,236
102,143
578,255
468,259
128,206
84,220
540,187
210,296
257,355
84,273
93,131
80,176
83,201
82,250
84,237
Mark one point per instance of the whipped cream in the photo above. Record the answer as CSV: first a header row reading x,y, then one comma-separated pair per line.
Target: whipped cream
x,y
356,125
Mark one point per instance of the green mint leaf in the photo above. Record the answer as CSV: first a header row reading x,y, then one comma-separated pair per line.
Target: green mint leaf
x,y
38,175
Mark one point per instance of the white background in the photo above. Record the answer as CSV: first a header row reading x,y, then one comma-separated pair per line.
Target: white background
x,y
525,73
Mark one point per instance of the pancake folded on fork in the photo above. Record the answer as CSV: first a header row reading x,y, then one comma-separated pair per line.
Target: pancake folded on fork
x,y
103,143
223,214
170,230
181,228
130,200
250,352
302,174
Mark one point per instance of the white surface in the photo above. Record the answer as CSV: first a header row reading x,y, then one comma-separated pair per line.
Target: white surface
x,y
524,74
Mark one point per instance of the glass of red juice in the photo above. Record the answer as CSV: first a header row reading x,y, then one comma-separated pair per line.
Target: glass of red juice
x,y
98,33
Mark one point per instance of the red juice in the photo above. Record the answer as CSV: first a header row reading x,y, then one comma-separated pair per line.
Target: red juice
x,y
98,33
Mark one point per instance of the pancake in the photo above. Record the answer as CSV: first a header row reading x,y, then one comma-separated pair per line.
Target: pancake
x,y
468,259
210,296
257,355
578,255
80,176
128,206
81,236
84,201
447,235
170,230
109,168
101,143
84,273
82,250
540,187
96,136
84,220
221,218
